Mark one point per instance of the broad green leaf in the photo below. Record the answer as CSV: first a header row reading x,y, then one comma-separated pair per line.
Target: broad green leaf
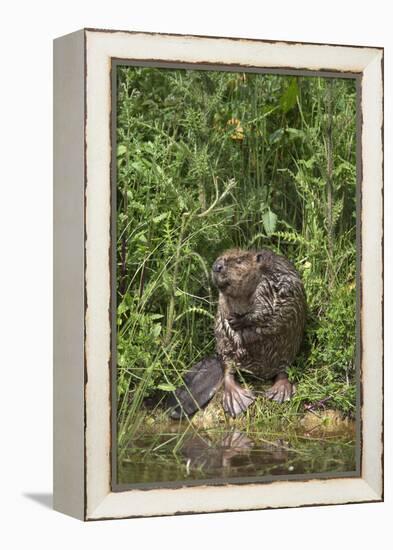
x,y
154,316
156,330
122,308
142,238
161,217
295,133
289,97
269,220
276,136
121,150
166,387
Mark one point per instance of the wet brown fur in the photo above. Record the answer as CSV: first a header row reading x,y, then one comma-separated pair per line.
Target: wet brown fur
x,y
261,311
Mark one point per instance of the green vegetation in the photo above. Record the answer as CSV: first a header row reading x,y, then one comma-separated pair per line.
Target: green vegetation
x,y
212,160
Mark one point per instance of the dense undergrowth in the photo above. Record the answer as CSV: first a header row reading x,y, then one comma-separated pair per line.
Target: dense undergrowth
x,y
212,160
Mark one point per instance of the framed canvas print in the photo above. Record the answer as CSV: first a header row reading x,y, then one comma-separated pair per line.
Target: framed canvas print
x,y
218,335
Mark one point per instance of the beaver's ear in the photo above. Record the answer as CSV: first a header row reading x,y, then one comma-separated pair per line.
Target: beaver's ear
x,y
259,256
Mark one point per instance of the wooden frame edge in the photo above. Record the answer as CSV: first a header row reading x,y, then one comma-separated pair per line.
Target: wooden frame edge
x,y
95,500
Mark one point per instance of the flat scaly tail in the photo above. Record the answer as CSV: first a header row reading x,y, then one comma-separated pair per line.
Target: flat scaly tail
x,y
200,384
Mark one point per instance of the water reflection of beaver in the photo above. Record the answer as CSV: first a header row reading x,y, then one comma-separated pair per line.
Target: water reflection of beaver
x,y
234,455
259,328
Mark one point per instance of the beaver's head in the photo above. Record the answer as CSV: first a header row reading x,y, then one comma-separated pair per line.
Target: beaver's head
x,y
238,272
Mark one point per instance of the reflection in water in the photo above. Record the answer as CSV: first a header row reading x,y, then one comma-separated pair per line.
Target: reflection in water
x,y
233,454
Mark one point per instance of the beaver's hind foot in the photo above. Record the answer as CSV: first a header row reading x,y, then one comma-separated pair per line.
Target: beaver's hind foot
x,y
282,389
236,399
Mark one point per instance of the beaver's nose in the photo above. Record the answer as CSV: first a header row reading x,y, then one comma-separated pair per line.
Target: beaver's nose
x,y
218,266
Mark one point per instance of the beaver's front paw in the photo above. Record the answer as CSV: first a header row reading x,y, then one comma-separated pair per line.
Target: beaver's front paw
x,y
237,321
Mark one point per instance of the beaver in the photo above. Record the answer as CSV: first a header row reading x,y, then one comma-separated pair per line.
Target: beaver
x,y
259,329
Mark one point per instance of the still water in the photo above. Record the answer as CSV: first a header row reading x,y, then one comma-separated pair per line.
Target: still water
x,y
192,455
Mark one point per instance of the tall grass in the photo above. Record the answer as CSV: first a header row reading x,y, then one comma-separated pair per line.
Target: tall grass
x,y
210,160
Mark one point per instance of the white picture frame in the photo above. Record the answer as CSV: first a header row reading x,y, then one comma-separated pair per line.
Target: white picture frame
x,y
82,243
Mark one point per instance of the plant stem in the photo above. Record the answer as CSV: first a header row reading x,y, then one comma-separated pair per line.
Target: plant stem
x,y
171,306
329,176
